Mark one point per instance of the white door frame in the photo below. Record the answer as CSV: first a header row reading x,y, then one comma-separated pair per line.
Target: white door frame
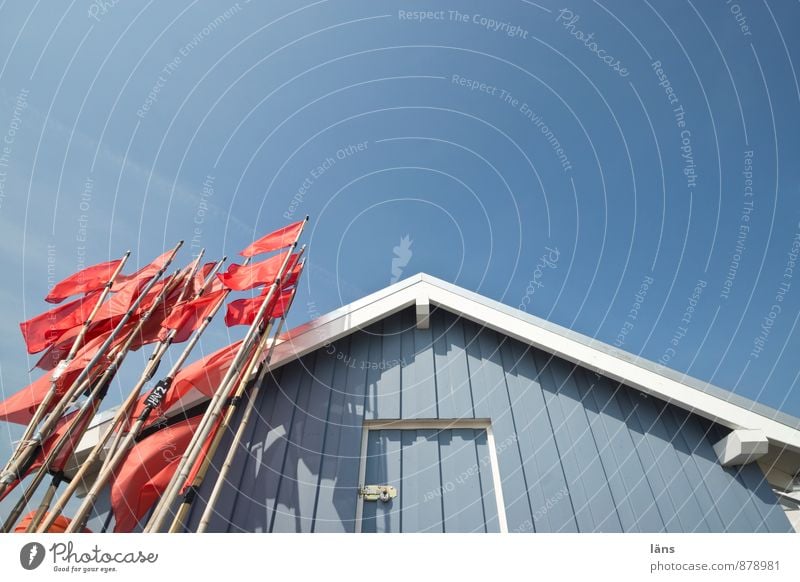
x,y
484,424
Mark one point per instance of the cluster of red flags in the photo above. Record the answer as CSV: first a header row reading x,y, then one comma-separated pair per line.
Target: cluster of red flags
x,y
149,465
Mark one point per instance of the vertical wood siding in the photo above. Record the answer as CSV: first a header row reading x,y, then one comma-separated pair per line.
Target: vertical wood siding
x,y
576,451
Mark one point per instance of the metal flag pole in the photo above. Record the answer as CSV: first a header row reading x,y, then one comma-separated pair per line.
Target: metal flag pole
x,y
30,447
77,425
120,418
237,438
215,406
76,344
125,442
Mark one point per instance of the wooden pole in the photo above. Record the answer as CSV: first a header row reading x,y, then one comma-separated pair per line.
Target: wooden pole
x,y
157,394
243,382
91,404
76,344
205,461
162,347
215,407
237,438
122,415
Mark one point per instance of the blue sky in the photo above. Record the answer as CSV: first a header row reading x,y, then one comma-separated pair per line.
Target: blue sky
x,y
635,146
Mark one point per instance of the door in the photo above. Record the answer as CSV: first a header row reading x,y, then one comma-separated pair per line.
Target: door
x,y
445,479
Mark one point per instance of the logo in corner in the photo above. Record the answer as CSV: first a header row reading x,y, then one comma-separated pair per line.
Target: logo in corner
x,y
31,555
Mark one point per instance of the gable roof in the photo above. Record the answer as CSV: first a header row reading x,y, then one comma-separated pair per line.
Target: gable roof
x,y
723,407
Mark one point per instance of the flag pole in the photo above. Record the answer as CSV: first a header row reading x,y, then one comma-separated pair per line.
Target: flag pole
x,y
237,438
242,383
123,443
163,345
215,406
29,447
205,461
90,406
122,415
41,410
214,410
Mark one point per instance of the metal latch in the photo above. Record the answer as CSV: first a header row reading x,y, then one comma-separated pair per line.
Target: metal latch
x,y
383,493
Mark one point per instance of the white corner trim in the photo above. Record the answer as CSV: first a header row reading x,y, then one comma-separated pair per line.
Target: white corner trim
x,y
741,447
423,311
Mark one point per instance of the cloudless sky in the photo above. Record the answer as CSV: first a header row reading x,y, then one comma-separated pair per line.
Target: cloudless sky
x,y
647,150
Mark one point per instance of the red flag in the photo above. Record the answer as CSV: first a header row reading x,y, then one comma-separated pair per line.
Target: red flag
x,y
49,444
146,472
42,331
143,273
84,281
187,316
242,278
58,351
244,311
200,279
204,375
278,239
20,407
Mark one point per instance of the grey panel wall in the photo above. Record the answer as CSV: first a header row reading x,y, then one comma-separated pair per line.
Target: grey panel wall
x,y
576,451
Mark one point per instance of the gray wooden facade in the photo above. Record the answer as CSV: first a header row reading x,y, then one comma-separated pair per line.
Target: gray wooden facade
x,y
575,452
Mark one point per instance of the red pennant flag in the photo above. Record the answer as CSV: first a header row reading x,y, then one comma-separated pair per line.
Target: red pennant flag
x,y
84,281
144,475
187,316
278,239
244,311
49,444
144,273
20,407
200,279
242,278
42,331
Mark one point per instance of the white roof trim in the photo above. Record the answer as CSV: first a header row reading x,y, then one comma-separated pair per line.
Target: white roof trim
x,y
707,401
